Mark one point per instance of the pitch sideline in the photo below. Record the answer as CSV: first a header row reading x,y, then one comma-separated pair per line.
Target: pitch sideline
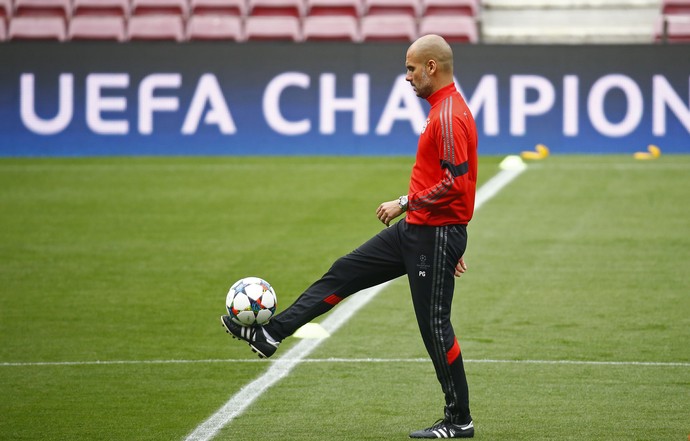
x,y
279,369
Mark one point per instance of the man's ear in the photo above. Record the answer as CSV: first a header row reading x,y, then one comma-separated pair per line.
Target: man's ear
x,y
431,66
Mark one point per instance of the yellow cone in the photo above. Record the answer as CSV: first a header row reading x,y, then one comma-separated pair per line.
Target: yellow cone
x,y
652,152
643,156
541,152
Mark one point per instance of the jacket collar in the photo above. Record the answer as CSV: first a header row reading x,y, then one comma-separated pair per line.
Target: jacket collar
x,y
441,94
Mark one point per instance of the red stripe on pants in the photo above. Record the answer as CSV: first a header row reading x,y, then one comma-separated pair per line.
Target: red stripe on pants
x,y
333,299
454,352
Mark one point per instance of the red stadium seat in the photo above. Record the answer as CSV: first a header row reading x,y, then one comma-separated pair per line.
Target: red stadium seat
x,y
331,28
450,7
59,8
673,29
672,7
272,28
160,7
5,9
678,30
95,27
334,7
455,29
294,8
101,7
214,27
218,7
156,27
37,28
389,28
392,7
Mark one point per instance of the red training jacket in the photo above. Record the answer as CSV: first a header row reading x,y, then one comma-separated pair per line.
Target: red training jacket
x,y
444,176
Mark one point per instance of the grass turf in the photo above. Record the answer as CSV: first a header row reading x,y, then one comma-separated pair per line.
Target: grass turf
x,y
581,258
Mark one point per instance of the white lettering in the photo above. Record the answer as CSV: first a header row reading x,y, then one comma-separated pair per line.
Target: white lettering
x,y
485,97
571,106
595,105
208,91
403,104
663,95
148,103
271,104
520,108
358,104
27,105
96,103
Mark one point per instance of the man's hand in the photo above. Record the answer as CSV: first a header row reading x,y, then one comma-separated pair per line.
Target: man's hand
x,y
460,268
388,211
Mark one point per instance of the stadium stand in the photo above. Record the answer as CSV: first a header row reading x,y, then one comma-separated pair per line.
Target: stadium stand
x,y
468,8
673,29
273,28
352,8
454,28
156,27
214,27
281,8
392,7
675,7
101,8
5,9
97,27
331,28
673,25
160,7
569,21
388,28
236,8
486,21
59,8
37,28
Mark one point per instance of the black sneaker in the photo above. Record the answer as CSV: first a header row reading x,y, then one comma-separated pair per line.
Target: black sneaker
x,y
444,429
253,335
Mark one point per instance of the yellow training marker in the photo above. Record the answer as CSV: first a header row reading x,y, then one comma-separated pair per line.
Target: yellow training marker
x,y
652,152
541,152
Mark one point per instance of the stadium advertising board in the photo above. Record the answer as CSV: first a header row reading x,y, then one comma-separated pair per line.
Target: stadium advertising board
x,y
90,99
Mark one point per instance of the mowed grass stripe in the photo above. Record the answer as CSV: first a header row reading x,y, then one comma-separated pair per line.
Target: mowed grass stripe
x,y
348,360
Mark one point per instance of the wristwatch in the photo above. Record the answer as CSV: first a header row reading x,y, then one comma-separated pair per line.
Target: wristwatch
x,y
402,202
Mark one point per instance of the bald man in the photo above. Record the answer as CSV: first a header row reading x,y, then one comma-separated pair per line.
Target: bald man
x,y
427,245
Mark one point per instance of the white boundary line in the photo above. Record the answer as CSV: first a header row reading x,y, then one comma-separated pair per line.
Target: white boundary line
x,y
283,365
349,360
279,369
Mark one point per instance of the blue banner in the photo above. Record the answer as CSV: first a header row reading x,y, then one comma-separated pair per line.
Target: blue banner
x,y
93,99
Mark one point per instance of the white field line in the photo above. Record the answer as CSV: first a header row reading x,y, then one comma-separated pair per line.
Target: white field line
x,y
351,360
283,365
279,369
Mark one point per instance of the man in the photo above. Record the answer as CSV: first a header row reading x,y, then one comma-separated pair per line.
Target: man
x,y
427,245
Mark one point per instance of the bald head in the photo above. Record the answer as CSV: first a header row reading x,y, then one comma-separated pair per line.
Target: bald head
x,y
429,64
434,47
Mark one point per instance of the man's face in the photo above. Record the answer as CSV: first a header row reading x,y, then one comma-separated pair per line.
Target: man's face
x,y
417,76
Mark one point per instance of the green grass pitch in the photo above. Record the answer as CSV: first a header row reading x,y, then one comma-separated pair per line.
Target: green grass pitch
x,y
574,317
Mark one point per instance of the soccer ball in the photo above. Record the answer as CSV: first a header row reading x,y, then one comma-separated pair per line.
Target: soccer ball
x,y
251,301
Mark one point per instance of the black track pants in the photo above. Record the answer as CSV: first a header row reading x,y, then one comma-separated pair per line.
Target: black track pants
x,y
428,255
